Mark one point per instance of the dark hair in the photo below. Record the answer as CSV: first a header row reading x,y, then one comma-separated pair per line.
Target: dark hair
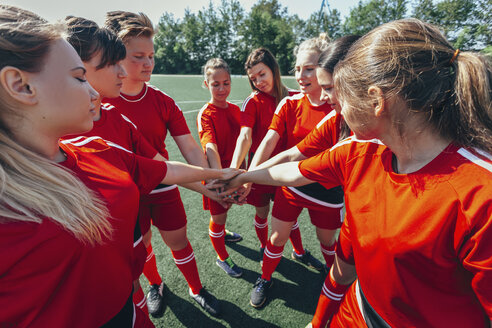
x,y
129,25
263,55
336,52
214,64
413,60
89,39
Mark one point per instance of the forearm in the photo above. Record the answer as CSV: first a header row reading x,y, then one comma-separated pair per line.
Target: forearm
x,y
213,156
286,174
181,173
265,149
289,155
243,144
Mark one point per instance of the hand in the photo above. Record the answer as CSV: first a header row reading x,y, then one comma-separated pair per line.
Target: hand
x,y
229,173
214,195
243,191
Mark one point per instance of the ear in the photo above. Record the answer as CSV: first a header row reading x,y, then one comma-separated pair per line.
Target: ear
x,y
377,100
15,83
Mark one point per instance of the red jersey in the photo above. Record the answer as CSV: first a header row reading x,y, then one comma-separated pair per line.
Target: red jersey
x,y
221,127
295,117
154,113
257,113
324,136
117,128
51,279
420,241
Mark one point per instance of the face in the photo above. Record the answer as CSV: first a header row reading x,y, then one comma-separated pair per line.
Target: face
x,y
139,61
305,71
328,94
219,84
262,77
65,100
107,80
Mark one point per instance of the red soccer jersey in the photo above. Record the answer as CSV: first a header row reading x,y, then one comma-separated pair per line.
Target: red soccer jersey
x,y
420,241
154,113
324,136
257,113
295,117
49,278
221,127
117,128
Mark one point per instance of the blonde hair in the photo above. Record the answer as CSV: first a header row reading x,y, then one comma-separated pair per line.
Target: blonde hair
x,y
129,25
318,44
33,188
412,60
214,64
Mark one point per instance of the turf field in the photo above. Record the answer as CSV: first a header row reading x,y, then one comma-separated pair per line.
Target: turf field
x,y
295,291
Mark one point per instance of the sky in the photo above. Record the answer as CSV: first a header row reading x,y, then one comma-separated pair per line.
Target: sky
x,y
95,9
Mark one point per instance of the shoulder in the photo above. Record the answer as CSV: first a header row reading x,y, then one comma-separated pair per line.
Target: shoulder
x,y
289,100
331,116
91,145
252,99
204,111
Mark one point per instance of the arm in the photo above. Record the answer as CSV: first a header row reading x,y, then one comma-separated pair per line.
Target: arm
x,y
181,173
265,149
213,156
192,153
290,155
243,144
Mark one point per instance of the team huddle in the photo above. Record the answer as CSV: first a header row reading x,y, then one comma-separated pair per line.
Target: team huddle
x,y
394,126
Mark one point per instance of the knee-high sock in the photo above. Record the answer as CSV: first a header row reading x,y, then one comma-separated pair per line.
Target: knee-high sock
x,y
261,228
296,240
216,233
186,263
150,268
329,301
328,253
140,300
271,258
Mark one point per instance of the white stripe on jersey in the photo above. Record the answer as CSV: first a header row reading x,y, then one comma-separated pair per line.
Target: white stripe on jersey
x,y
326,118
295,226
283,101
129,121
314,200
354,139
199,117
159,90
185,260
243,106
156,191
106,106
138,241
474,159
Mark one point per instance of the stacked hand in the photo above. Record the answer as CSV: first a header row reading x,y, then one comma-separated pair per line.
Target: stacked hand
x,y
230,188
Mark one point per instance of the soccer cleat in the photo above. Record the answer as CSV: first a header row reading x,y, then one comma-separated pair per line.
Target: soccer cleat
x,y
259,292
207,301
230,267
262,251
155,300
232,237
308,260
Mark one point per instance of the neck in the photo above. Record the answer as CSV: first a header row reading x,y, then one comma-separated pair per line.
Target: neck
x,y
315,98
132,87
415,148
97,103
44,145
220,104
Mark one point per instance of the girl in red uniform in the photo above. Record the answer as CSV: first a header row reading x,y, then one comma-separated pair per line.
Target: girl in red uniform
x,y
416,179
155,114
294,118
101,52
61,213
218,124
256,115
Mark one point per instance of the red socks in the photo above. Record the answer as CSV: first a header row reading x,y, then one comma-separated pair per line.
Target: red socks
x,y
150,268
329,301
296,240
261,228
186,263
271,258
329,254
140,300
216,233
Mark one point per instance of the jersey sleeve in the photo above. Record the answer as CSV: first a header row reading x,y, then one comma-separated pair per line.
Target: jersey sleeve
x,y
176,122
475,252
279,119
140,145
206,129
248,113
325,168
322,137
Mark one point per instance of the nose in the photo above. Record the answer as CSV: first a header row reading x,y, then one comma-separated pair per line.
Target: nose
x,y
94,95
121,72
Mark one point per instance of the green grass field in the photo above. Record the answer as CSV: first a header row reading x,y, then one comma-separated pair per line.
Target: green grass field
x,y
295,291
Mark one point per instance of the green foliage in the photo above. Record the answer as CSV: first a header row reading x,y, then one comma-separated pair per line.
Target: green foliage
x,y
228,31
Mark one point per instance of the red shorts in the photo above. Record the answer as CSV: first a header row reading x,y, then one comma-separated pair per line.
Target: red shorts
x,y
348,314
288,210
212,206
164,208
261,195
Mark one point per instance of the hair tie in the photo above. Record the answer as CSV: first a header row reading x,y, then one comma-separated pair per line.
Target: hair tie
x,y
454,56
